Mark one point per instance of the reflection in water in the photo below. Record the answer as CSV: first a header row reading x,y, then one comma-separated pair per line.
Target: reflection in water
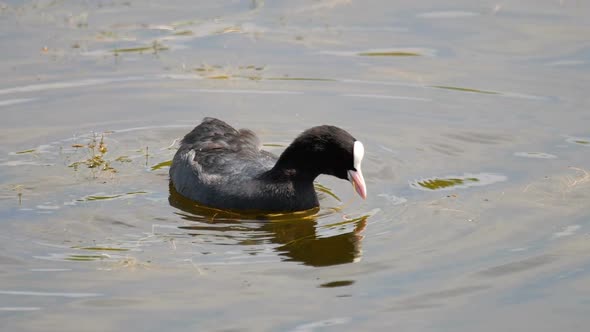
x,y
296,234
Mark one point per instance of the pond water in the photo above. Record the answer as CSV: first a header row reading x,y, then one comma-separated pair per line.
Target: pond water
x,y
475,120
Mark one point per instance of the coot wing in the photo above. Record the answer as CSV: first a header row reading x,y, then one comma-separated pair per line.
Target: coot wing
x,y
220,149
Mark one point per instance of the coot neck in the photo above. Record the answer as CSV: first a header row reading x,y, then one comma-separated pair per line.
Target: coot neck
x,y
296,163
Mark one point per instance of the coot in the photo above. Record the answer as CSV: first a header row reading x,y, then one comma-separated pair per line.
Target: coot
x,y
221,167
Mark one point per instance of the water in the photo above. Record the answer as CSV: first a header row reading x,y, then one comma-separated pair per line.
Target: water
x,y
474,118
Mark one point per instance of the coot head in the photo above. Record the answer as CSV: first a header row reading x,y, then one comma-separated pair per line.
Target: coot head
x,y
325,150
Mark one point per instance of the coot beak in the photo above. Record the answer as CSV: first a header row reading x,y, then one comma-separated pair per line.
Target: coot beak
x,y
358,182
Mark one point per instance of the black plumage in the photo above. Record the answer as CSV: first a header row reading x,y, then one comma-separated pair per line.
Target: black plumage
x,y
221,167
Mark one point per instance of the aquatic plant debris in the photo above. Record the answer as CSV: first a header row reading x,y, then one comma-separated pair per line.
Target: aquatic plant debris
x,y
339,283
161,165
384,52
184,33
86,258
251,72
579,140
25,151
455,182
219,72
219,77
155,47
96,160
123,159
455,88
443,183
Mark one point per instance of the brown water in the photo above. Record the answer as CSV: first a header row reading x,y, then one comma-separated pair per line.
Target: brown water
x,y
475,119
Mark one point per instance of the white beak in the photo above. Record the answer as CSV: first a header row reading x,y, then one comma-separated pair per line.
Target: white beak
x,y
356,176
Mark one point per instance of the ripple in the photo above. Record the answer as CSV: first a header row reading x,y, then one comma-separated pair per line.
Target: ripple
x,y
9,102
393,199
374,96
51,294
105,197
313,326
535,155
448,14
19,308
567,231
67,84
70,257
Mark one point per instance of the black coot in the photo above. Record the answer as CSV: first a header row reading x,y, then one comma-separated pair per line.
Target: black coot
x,y
221,167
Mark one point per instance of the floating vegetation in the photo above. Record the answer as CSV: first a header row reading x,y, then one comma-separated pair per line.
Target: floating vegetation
x,y
434,184
98,149
107,36
101,248
207,68
579,140
536,155
86,258
339,283
94,162
391,53
464,89
385,52
250,67
217,72
155,47
455,182
25,151
123,159
219,77
326,190
251,72
18,188
161,165
92,198
184,33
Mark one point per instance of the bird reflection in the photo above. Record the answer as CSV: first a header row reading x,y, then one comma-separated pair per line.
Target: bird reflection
x,y
296,234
